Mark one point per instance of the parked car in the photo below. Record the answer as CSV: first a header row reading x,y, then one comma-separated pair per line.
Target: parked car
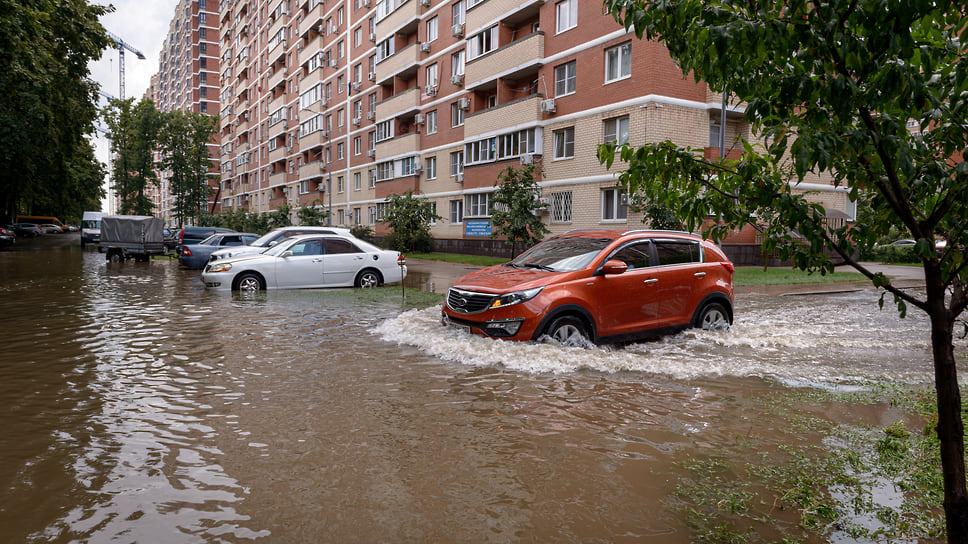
x,y
50,228
307,261
7,238
273,238
196,255
192,235
27,230
598,285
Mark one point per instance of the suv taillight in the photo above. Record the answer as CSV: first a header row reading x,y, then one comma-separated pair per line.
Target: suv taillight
x,y
728,266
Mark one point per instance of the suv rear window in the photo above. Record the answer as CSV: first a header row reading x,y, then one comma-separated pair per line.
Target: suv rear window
x,y
677,252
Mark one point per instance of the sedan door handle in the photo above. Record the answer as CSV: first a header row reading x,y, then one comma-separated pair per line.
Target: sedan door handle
x,y
317,260
653,280
700,274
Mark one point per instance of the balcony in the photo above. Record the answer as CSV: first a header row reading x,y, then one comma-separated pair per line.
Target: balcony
x,y
405,102
512,60
313,139
506,11
400,63
278,154
277,179
405,144
312,170
401,20
521,112
314,46
313,18
277,102
276,26
278,77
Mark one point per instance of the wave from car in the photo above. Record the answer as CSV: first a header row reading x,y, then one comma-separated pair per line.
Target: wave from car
x,y
274,237
601,286
307,262
196,255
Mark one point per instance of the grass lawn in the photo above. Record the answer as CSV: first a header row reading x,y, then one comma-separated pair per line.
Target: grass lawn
x,y
748,276
478,260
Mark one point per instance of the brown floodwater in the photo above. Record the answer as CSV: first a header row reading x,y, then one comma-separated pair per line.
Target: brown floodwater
x,y
138,407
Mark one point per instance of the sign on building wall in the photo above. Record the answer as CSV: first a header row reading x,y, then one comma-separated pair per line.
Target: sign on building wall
x,y
477,227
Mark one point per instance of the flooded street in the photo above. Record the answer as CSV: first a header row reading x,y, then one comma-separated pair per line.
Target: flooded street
x,y
141,408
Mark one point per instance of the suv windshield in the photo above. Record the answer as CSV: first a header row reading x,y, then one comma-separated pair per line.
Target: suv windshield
x,y
564,254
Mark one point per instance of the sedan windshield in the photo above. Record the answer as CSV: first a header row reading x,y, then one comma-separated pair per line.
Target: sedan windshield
x,y
564,254
265,239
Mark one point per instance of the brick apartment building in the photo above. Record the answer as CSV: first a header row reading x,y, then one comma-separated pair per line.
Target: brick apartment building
x,y
188,80
341,103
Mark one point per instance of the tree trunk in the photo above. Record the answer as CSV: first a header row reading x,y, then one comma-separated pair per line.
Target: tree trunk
x,y
950,426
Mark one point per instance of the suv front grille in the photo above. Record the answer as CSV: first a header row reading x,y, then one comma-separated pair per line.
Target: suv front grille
x,y
468,302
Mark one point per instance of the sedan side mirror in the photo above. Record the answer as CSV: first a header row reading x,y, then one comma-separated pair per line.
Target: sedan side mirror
x,y
614,266
286,253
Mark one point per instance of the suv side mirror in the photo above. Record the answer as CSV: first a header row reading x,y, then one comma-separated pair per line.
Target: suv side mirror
x,y
614,266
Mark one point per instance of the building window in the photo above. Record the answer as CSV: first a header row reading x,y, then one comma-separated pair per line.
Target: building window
x,y
565,79
432,29
339,151
357,145
340,117
384,131
612,207
432,122
477,205
456,163
561,207
482,43
457,12
357,181
567,15
339,184
618,62
616,130
457,63
432,75
565,143
431,167
358,37
339,85
456,115
456,212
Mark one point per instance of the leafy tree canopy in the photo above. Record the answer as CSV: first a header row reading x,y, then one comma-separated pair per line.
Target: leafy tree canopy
x,y
516,205
409,220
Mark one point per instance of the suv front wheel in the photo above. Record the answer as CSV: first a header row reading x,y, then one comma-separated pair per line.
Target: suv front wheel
x,y
568,330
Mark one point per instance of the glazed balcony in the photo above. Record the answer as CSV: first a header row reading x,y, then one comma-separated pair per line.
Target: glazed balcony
x,y
506,11
518,112
516,57
406,15
313,18
314,46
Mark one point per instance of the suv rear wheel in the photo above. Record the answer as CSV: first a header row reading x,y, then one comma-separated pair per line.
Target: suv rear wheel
x,y
568,330
713,317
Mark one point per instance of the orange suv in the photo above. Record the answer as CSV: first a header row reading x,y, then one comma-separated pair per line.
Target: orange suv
x,y
599,285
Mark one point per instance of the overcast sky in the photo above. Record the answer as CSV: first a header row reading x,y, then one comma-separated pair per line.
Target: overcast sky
x,y
142,24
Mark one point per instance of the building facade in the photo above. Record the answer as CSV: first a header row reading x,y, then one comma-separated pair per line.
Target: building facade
x,y
339,104
188,80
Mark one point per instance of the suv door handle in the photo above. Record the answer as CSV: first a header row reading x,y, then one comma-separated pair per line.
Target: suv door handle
x,y
700,274
652,280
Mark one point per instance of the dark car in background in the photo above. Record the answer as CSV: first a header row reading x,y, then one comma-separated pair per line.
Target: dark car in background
x,y
196,255
188,236
7,238
26,230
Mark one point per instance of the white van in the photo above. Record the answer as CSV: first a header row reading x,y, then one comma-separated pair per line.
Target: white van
x,y
91,227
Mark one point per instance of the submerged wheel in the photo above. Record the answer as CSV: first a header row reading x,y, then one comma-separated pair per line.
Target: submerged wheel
x,y
713,317
568,330
249,283
115,257
367,279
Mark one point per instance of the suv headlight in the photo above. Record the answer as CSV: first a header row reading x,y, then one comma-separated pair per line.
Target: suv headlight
x,y
516,297
220,267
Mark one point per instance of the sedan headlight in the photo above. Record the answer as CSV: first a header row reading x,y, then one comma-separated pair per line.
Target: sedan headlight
x,y
516,297
220,267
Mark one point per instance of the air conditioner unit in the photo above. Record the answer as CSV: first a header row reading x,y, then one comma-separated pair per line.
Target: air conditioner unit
x,y
418,119
366,3
321,28
371,76
527,158
457,79
332,29
371,153
459,178
322,166
356,87
372,36
334,63
356,121
425,3
425,47
464,103
548,106
457,30
418,169
431,91
324,134
370,115
624,200
372,175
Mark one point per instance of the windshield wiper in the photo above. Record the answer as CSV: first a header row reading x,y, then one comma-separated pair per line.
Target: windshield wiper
x,y
539,267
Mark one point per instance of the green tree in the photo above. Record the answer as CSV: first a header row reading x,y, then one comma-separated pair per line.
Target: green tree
x,y
134,132
409,219
47,104
280,217
830,87
184,146
314,214
516,201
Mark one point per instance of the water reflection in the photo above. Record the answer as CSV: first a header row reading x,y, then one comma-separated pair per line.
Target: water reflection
x,y
141,408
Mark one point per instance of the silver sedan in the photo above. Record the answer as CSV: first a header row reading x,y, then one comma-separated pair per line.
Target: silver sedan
x,y
307,262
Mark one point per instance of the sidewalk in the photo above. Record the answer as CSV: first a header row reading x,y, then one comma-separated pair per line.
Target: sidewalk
x,y
437,276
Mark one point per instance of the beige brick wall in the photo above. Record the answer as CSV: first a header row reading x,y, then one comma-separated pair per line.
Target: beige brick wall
x,y
505,58
500,118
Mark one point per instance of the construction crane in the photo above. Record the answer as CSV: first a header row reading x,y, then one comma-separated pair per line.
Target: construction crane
x,y
122,45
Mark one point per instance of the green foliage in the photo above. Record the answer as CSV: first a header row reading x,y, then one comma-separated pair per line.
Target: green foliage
x,y
48,106
134,130
313,215
660,217
183,143
363,232
409,220
280,217
515,205
236,219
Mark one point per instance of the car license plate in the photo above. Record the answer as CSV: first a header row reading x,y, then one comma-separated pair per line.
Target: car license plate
x,y
458,326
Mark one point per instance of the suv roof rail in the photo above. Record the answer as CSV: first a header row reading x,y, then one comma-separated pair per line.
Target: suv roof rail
x,y
659,231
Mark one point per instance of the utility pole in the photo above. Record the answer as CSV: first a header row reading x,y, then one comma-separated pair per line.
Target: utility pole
x,y
122,45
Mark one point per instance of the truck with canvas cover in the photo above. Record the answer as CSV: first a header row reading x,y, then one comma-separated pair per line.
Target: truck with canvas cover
x,y
135,237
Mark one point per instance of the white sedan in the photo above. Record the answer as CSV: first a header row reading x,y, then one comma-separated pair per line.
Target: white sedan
x,y
306,262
